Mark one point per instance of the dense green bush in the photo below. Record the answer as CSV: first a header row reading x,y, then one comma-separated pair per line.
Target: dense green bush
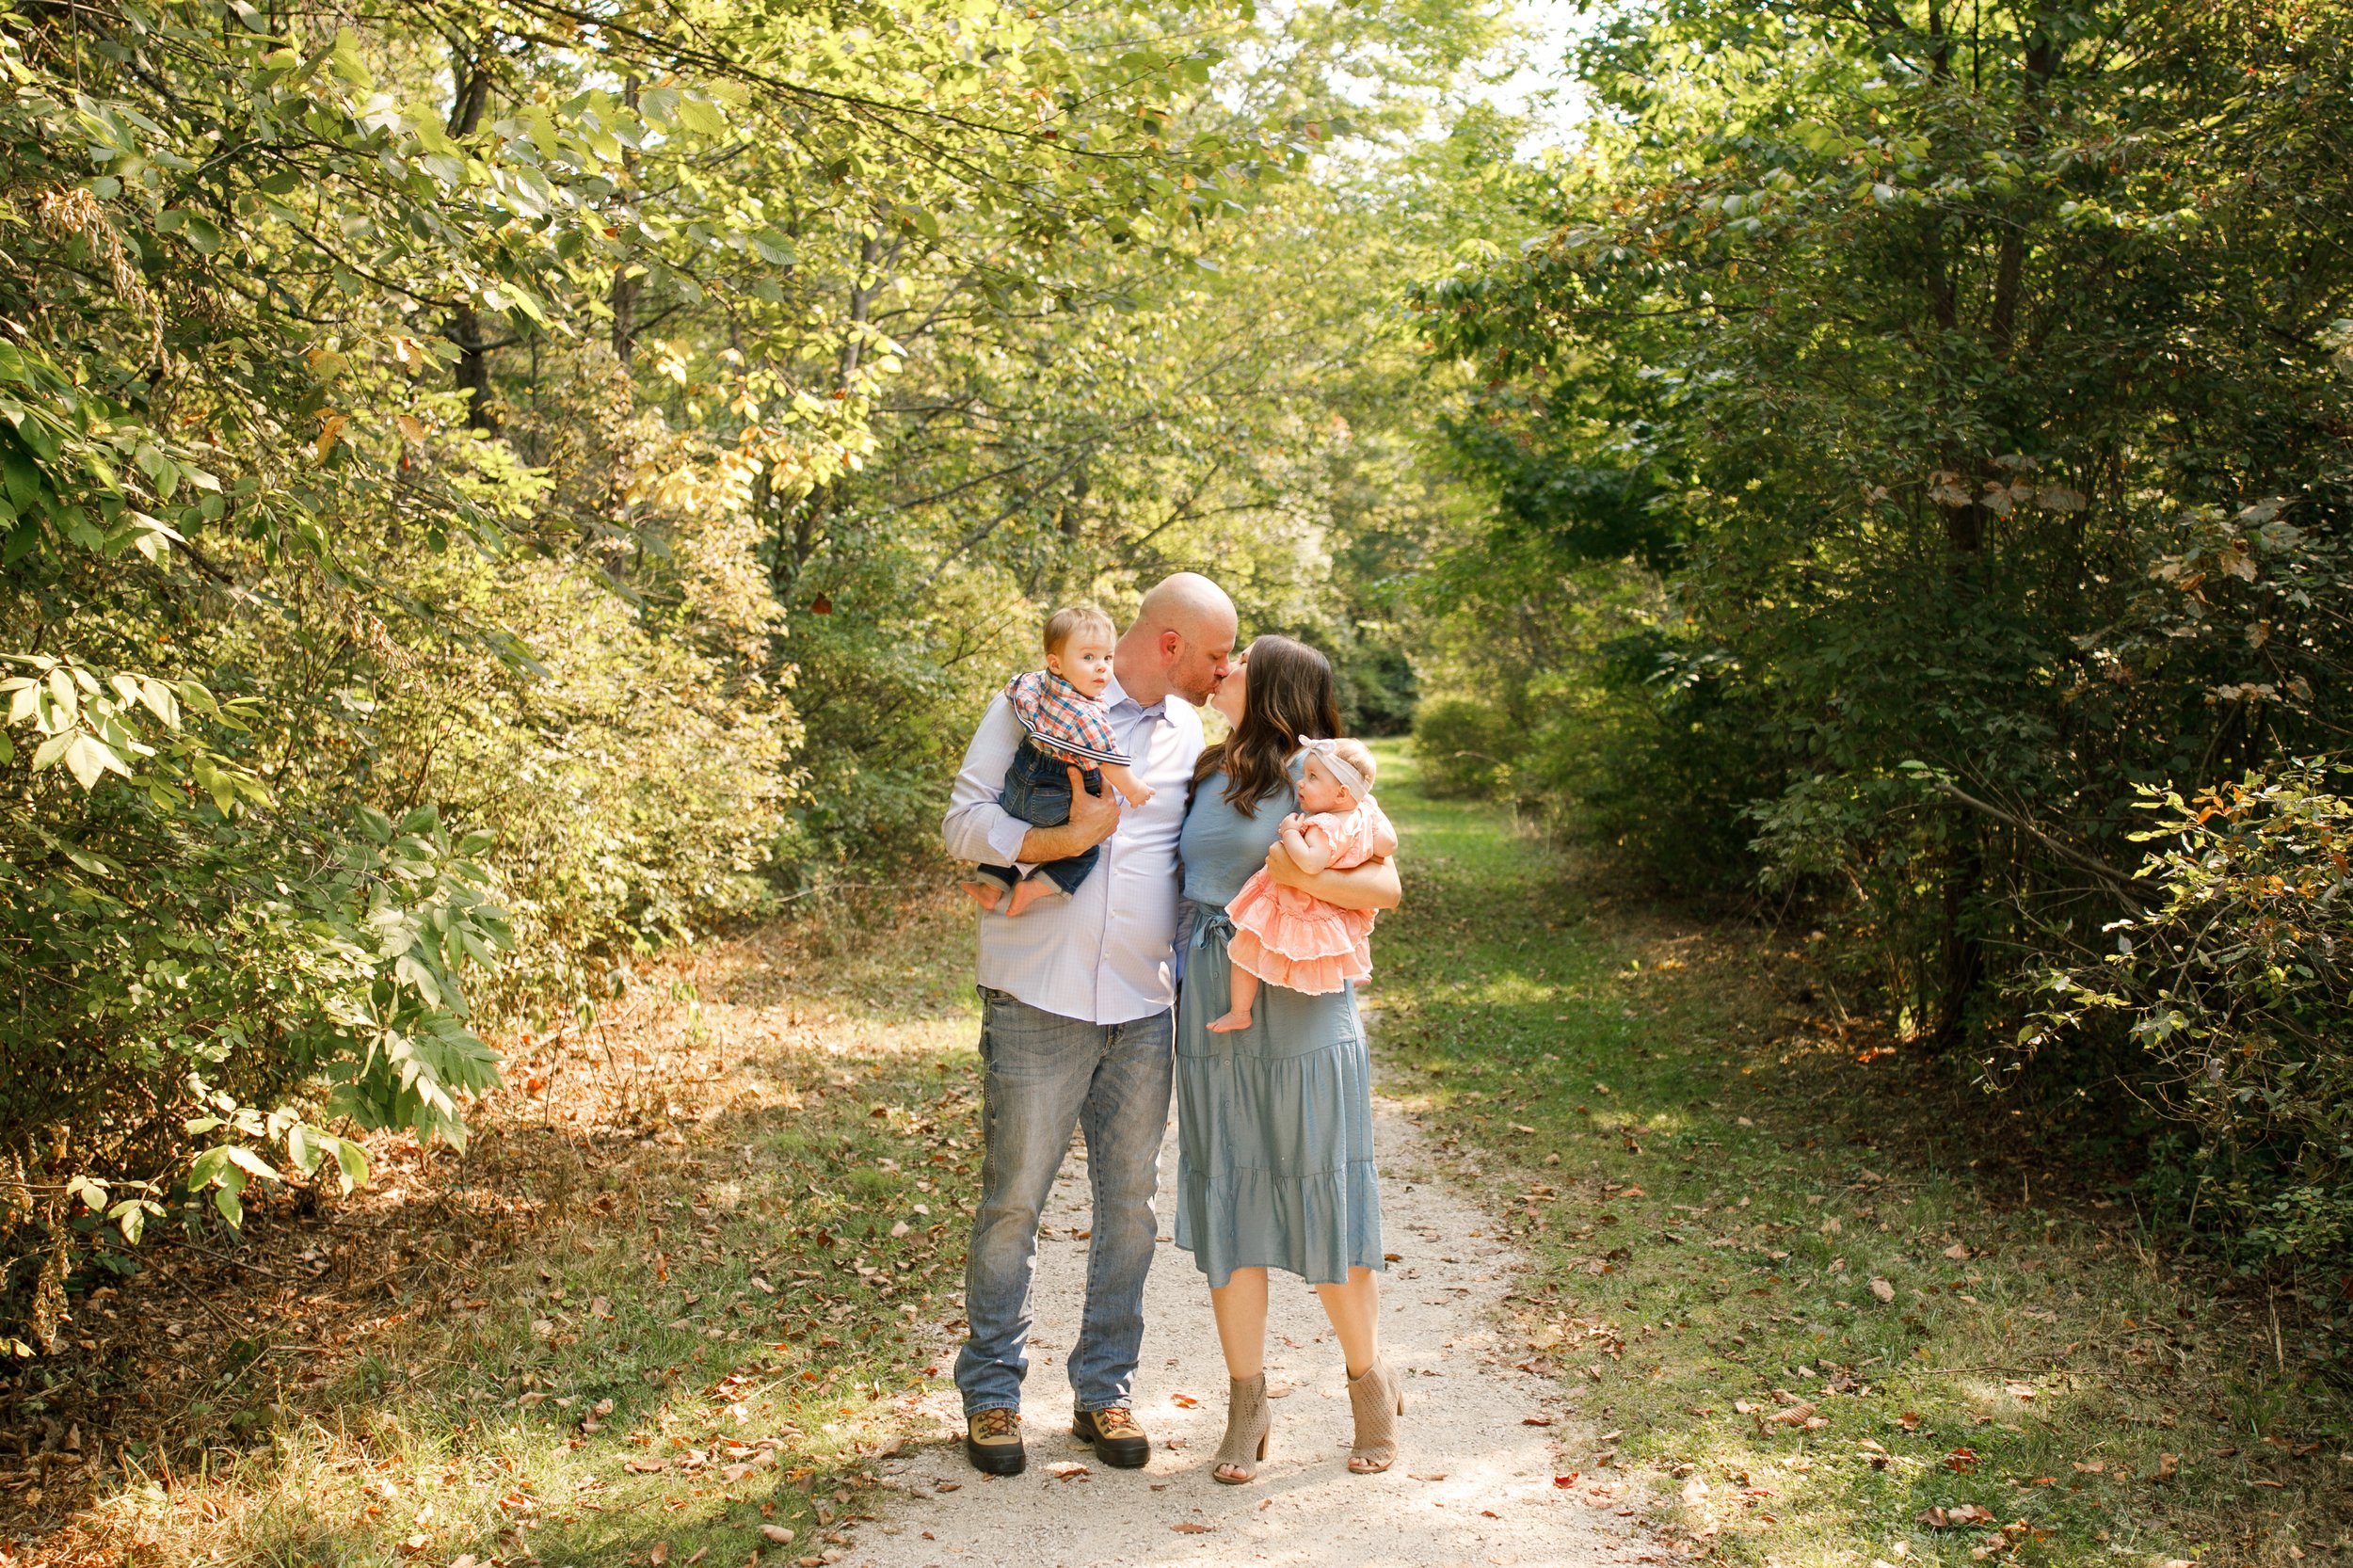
x,y
1379,690
1465,747
2233,979
1659,754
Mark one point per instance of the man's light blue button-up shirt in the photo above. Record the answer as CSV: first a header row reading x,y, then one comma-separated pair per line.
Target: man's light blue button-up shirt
x,y
1104,954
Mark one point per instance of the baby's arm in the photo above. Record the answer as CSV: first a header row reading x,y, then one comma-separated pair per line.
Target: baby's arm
x,y
1131,789
1310,845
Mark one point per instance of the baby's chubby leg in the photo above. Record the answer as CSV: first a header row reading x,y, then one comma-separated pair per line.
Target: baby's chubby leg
x,y
1242,990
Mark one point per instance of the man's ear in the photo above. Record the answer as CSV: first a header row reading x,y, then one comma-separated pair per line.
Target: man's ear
x,y
1172,645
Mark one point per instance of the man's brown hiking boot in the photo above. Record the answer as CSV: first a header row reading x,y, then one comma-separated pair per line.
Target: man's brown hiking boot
x,y
992,1441
1118,1441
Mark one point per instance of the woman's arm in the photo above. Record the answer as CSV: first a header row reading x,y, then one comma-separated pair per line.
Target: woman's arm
x,y
1370,886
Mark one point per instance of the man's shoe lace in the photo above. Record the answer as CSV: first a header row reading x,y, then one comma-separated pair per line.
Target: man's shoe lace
x,y
996,1425
1116,1423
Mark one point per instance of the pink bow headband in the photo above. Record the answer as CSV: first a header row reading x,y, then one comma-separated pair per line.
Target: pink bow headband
x,y
1327,752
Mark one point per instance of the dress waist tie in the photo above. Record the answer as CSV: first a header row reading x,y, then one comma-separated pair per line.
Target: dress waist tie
x,y
1208,919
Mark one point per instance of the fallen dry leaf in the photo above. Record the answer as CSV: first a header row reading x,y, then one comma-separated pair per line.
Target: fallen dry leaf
x,y
1881,1289
1962,1460
1435,1475
1956,1252
1189,1528
660,1554
1535,1420
777,1533
1958,1515
1184,1401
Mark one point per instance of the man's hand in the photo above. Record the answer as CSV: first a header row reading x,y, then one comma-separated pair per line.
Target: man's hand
x,y
1093,818
1097,816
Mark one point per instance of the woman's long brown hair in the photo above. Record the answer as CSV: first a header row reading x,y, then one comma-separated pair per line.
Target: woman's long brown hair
x,y
1289,698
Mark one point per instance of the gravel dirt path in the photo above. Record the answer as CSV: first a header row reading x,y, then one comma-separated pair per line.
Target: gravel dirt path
x,y
1473,1485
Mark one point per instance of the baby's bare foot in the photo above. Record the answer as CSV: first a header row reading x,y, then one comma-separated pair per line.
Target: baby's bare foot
x,y
986,894
1027,891
1233,1023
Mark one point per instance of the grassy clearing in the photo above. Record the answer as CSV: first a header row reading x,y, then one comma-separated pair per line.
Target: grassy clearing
x,y
681,1289
1809,1301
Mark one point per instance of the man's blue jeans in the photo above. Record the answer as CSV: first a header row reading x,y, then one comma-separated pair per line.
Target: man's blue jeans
x,y
1042,1075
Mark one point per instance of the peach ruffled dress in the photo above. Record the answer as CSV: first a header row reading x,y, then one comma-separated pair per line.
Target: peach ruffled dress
x,y
1289,938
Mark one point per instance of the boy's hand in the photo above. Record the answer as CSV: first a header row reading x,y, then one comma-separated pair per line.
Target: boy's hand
x,y
1138,793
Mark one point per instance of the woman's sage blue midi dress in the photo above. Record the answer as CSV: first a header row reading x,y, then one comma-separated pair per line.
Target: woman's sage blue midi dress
x,y
1273,1124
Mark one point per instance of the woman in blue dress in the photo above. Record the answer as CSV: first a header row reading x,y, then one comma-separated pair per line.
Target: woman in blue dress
x,y
1274,1122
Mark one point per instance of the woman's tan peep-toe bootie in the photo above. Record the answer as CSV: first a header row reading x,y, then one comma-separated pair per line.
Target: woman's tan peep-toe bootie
x,y
1248,1425
1377,1401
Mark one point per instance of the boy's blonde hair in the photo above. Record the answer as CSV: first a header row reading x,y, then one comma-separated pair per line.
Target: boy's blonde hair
x,y
1062,622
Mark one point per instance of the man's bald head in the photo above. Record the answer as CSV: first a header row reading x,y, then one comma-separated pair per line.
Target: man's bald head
x,y
1186,602
1181,642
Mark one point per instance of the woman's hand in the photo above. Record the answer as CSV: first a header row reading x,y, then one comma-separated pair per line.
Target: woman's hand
x,y
1373,884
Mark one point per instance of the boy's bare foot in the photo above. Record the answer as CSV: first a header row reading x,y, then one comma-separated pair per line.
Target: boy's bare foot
x,y
1028,891
1233,1023
987,894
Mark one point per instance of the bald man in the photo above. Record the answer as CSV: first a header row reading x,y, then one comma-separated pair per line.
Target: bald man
x,y
1076,1027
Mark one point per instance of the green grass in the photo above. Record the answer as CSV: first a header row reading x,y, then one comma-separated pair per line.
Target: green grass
x,y
707,1323
1720,1196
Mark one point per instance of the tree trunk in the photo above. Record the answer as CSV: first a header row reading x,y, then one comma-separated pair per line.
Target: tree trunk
x,y
626,284
470,76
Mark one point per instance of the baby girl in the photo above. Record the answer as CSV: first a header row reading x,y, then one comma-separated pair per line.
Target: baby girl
x,y
1290,938
1064,723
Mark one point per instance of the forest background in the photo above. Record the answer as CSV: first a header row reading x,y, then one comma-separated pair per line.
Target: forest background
x,y
491,490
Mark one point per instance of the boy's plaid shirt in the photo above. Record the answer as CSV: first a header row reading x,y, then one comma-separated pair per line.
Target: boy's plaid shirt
x,y
1064,721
